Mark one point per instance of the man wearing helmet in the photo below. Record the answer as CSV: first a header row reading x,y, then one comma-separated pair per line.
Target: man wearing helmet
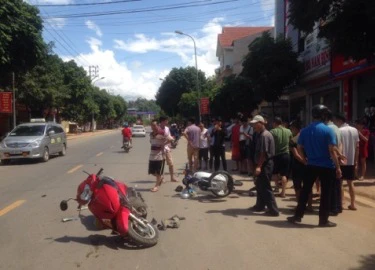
x,y
127,134
318,141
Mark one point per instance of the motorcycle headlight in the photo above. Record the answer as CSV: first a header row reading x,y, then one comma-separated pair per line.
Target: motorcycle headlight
x,y
35,144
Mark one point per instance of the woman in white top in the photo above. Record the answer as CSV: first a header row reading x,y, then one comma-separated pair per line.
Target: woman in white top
x,y
203,147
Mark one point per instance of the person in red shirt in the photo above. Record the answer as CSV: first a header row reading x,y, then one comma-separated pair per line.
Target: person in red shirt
x,y
127,134
364,135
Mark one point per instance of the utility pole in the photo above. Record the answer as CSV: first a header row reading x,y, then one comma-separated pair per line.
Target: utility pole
x,y
14,100
93,73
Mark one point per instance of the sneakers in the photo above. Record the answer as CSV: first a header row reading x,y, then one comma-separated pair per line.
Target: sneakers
x,y
294,219
256,209
271,214
327,224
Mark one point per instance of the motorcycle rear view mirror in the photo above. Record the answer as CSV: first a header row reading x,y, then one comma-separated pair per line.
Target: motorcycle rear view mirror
x,y
63,205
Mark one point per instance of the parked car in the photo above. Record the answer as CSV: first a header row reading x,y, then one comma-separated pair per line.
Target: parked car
x,y
33,141
138,131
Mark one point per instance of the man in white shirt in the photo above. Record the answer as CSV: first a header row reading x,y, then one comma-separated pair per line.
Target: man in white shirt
x,y
203,147
246,138
350,147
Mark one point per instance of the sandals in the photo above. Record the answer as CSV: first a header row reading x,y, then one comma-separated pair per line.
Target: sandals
x,y
154,189
352,208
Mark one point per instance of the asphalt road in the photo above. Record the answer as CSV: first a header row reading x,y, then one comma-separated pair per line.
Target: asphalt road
x,y
217,234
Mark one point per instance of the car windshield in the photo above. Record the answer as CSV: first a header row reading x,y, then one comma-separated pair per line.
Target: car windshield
x,y
28,131
138,127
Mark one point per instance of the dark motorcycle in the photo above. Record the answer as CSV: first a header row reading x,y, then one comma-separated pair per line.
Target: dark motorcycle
x,y
116,207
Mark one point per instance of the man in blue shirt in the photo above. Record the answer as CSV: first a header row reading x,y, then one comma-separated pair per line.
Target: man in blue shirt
x,y
318,141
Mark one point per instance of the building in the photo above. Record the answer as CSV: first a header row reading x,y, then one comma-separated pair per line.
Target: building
x,y
232,47
341,84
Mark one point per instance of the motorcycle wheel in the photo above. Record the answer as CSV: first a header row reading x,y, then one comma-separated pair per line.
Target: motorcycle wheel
x,y
139,206
229,187
145,237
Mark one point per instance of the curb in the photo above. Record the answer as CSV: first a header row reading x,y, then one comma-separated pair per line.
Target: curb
x,y
88,134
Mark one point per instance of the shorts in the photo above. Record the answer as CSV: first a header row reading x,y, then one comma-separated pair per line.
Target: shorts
x,y
192,153
282,163
168,158
203,154
348,172
156,167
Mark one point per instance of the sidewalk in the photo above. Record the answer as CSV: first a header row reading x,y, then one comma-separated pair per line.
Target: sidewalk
x,y
364,189
72,136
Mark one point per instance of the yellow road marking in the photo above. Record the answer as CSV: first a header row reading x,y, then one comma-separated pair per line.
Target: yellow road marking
x,y
98,155
11,207
75,168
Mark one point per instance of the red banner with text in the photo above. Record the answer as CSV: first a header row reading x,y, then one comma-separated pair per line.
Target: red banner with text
x,y
205,105
6,102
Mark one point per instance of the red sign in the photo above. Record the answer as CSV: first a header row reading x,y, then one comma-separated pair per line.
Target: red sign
x,y
341,66
205,105
6,102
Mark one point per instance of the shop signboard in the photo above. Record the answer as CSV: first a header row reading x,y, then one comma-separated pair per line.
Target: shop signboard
x,y
343,66
6,102
316,55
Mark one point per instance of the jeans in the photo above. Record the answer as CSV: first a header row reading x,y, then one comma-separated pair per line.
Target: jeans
x,y
327,177
265,195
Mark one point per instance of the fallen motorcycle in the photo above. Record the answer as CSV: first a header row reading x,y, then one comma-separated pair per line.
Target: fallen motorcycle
x,y
219,183
116,207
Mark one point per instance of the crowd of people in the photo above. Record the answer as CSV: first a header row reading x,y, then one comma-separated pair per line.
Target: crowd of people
x,y
324,153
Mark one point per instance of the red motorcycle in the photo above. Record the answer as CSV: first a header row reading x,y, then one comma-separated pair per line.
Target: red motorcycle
x,y
116,207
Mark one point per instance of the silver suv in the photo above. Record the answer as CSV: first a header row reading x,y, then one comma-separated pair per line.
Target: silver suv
x,y
33,140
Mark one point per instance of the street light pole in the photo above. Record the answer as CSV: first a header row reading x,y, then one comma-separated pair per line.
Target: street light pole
x,y
196,67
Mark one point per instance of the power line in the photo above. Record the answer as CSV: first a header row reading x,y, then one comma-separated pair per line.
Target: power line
x,y
155,8
85,4
73,49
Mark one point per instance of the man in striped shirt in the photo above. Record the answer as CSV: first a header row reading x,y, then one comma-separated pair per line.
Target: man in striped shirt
x,y
158,139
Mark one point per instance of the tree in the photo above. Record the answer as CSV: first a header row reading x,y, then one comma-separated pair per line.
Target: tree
x,y
178,82
271,65
145,105
21,41
236,94
80,104
349,25
43,86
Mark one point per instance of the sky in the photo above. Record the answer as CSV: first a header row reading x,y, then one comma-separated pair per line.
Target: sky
x,y
133,43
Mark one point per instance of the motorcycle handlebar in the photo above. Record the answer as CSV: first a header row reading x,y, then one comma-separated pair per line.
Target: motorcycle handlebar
x,y
100,172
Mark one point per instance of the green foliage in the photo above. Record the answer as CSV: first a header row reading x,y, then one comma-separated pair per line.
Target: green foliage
x,y
21,41
271,65
144,105
349,25
176,83
236,94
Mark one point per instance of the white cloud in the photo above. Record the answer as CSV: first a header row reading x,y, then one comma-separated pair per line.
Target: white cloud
x,y
55,22
132,79
206,41
118,78
93,26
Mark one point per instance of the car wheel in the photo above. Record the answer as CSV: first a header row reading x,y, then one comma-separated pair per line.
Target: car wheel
x,y
5,161
63,151
45,157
